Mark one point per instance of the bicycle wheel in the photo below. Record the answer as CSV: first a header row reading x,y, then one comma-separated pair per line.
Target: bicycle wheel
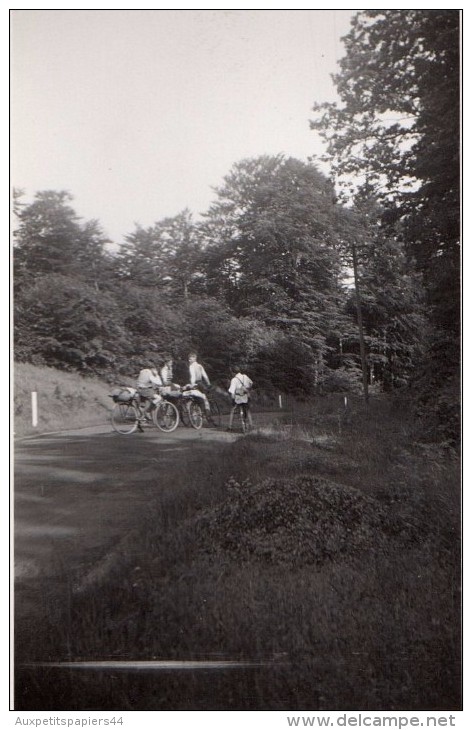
x,y
214,417
195,415
243,419
124,418
183,411
165,416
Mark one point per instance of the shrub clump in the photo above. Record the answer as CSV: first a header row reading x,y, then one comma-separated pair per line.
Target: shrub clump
x,y
304,520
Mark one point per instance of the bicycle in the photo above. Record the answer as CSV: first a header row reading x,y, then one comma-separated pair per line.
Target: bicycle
x,y
188,406
243,413
128,415
192,412
199,413
213,418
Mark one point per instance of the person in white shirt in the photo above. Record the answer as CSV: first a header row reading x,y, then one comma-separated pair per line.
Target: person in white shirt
x,y
239,389
166,371
198,377
197,371
148,381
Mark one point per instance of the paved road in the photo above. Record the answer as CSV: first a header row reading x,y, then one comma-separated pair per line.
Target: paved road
x,y
77,495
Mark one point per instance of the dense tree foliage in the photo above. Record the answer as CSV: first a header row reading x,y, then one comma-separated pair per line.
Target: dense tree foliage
x,y
392,314
64,321
50,239
278,259
183,266
167,287
260,284
166,256
389,299
397,129
395,136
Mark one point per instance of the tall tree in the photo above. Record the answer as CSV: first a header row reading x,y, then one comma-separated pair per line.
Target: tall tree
x,y
386,298
183,259
51,239
392,306
141,259
397,129
395,135
166,255
271,246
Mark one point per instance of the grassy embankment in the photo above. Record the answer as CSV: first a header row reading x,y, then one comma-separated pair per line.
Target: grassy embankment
x,y
325,547
65,400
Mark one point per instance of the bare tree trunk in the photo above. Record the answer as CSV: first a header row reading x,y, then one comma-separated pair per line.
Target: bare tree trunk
x,y
365,376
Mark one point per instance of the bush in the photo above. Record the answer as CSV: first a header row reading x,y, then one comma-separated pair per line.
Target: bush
x,y
343,380
437,393
62,322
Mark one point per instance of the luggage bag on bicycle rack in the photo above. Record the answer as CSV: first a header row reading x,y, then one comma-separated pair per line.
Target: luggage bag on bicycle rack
x,y
123,395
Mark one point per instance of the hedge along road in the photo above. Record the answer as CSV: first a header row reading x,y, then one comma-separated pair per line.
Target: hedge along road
x,y
77,495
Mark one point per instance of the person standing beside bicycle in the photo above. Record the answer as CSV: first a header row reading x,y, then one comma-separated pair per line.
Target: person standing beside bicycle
x,y
148,381
198,379
239,390
167,376
166,372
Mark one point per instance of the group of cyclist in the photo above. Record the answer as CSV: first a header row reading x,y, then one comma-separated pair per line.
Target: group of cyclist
x,y
154,378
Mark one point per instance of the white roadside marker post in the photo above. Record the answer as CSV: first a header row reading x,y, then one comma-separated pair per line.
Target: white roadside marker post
x,y
34,408
280,401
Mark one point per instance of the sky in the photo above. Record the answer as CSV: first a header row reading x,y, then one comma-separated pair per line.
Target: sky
x,y
140,113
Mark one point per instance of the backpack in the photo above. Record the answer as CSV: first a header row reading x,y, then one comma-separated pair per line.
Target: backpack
x,y
241,389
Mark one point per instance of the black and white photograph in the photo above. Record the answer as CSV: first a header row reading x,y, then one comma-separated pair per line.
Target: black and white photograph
x,y
236,416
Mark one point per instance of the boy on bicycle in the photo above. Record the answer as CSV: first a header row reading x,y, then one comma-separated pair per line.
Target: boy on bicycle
x,y
239,389
148,381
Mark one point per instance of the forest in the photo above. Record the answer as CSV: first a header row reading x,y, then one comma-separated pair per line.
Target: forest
x,y
316,283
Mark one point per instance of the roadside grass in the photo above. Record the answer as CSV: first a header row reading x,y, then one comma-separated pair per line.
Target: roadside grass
x,y
218,568
65,400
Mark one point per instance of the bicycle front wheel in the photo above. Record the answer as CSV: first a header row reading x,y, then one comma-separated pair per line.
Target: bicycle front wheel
x,y
166,416
194,413
183,412
124,418
214,417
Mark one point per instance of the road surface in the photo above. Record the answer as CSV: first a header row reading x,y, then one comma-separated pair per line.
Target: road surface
x,y
77,495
